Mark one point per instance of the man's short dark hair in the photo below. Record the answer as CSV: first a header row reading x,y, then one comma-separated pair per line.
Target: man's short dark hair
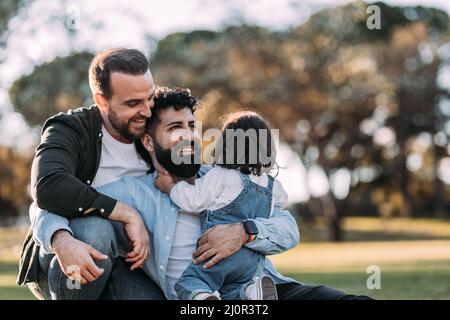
x,y
127,61
177,98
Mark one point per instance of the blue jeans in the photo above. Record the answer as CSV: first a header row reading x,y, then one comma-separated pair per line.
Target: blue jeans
x,y
117,281
230,276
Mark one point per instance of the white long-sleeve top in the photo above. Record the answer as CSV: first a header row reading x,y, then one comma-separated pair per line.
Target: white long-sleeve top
x,y
218,188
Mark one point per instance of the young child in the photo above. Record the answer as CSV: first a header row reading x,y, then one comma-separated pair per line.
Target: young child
x,y
234,190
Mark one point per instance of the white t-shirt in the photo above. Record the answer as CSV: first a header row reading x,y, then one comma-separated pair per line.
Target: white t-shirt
x,y
187,232
118,159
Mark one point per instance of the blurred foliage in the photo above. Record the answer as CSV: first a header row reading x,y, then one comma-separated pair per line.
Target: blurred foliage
x,y
8,8
357,103
14,167
53,87
344,96
15,177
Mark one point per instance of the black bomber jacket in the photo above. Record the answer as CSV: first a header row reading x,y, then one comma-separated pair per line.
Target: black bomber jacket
x,y
63,169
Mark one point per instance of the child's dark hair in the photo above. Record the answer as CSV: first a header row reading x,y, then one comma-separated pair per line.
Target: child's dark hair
x,y
253,154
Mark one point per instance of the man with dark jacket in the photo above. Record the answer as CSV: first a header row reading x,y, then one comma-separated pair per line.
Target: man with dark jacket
x,y
81,150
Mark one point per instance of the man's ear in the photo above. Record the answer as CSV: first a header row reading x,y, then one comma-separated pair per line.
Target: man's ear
x,y
100,100
147,142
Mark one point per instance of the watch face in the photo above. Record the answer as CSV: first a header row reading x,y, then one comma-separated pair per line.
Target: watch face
x,y
250,227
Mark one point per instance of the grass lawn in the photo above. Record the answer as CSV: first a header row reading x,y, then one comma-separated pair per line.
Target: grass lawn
x,y
414,259
8,289
428,280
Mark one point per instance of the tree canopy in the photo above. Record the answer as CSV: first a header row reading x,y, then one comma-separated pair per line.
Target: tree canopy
x,y
362,106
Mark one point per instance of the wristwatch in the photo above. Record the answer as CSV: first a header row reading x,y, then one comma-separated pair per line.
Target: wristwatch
x,y
251,228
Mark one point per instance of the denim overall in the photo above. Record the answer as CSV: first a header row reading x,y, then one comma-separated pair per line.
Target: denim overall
x,y
231,275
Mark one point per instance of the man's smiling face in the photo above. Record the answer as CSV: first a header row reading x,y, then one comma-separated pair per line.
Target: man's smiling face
x,y
123,88
130,104
176,139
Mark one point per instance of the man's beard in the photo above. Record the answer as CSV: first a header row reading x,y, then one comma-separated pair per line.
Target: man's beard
x,y
124,128
182,170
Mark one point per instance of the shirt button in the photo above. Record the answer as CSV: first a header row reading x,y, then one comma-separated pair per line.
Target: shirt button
x,y
102,210
80,209
161,267
167,237
100,134
88,182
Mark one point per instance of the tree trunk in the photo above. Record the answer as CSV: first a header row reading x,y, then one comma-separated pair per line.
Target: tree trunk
x,y
332,218
438,186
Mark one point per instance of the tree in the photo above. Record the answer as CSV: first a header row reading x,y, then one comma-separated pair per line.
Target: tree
x,y
355,104
52,88
8,9
15,176
343,95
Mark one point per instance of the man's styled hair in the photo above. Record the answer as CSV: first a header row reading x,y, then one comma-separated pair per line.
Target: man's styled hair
x,y
177,98
127,61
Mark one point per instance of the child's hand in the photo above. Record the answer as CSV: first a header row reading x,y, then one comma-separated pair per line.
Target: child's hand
x,y
164,182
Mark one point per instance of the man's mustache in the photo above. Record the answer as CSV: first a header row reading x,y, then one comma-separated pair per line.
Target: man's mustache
x,y
137,118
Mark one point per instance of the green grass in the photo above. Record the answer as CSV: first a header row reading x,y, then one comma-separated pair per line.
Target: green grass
x,y
412,255
10,243
8,289
419,280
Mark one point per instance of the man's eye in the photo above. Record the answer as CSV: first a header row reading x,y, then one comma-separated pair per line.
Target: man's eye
x,y
132,104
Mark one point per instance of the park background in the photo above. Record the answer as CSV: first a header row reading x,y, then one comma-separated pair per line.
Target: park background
x,y
363,114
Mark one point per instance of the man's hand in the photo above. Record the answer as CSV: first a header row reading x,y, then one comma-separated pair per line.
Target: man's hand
x,y
164,182
136,232
76,258
219,242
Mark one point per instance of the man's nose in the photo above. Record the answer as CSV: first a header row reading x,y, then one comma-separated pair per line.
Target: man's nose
x,y
151,103
147,109
186,135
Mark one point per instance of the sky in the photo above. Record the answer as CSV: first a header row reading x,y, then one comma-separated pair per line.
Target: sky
x,y
37,35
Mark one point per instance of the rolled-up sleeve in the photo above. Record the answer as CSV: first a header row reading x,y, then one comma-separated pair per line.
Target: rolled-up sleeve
x,y
45,224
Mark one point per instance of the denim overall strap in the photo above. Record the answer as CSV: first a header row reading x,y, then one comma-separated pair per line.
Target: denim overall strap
x,y
245,178
270,185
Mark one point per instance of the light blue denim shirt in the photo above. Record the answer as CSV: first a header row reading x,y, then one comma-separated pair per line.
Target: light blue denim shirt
x,y
159,213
